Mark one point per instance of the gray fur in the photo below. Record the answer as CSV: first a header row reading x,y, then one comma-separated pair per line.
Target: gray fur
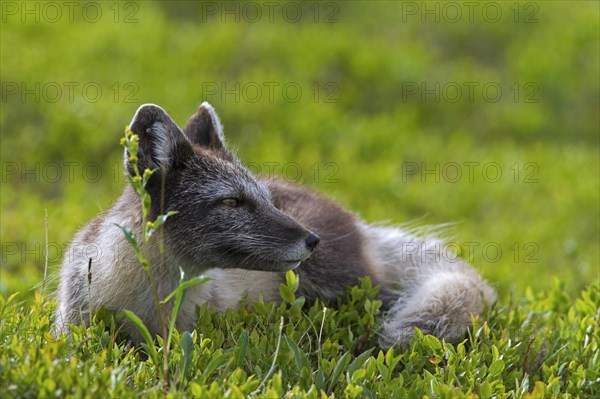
x,y
247,249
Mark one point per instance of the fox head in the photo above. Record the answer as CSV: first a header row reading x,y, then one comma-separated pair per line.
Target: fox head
x,y
225,217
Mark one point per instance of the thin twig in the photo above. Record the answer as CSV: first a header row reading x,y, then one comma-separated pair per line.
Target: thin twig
x,y
320,334
272,369
89,281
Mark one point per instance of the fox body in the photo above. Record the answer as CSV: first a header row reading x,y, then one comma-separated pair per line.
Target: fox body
x,y
245,233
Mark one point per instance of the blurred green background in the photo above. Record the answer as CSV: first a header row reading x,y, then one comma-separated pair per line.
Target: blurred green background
x,y
376,104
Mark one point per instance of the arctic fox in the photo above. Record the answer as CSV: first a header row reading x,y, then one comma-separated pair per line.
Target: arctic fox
x,y
245,232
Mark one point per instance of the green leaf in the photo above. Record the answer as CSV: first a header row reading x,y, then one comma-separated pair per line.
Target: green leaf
x,y
299,356
292,280
184,286
383,370
485,390
286,293
129,237
433,343
215,363
152,227
240,353
339,369
186,342
179,293
139,324
320,379
496,367
359,361
358,375
195,389
4,303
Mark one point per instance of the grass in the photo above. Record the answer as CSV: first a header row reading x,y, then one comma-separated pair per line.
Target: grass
x,y
543,345
363,132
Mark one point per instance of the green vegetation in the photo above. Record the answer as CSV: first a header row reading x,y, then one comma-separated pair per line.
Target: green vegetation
x,y
544,346
389,110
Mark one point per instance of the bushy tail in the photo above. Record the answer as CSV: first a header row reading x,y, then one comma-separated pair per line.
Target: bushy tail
x,y
431,287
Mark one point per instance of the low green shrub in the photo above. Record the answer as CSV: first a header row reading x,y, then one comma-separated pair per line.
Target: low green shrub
x,y
545,345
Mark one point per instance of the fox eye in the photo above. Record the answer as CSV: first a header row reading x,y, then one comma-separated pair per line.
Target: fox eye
x,y
231,202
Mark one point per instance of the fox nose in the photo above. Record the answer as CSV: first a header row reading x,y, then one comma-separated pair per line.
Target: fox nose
x,y
312,241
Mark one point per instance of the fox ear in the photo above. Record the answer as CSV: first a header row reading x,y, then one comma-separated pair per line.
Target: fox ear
x,y
161,143
204,128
